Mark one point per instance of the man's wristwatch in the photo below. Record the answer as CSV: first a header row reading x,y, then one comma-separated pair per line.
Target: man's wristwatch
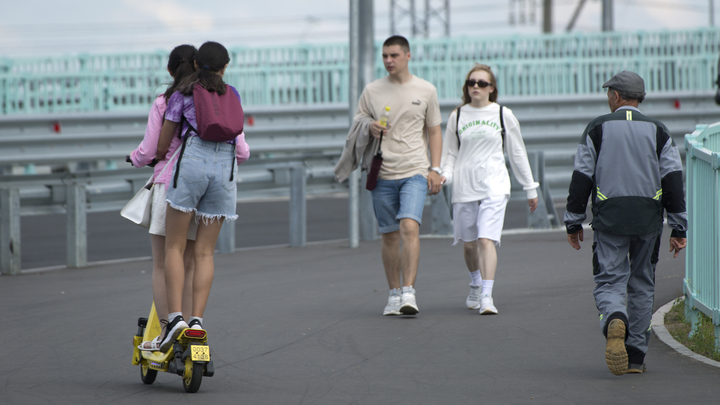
x,y
437,170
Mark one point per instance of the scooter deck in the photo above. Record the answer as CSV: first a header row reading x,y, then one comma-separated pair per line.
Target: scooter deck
x,y
199,351
194,339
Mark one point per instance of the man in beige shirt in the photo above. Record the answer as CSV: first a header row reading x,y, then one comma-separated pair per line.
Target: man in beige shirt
x,y
407,173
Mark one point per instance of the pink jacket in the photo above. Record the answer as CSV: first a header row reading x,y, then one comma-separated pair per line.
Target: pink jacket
x,y
147,149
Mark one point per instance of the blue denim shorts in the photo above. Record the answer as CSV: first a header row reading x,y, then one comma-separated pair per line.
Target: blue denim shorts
x,y
394,200
204,184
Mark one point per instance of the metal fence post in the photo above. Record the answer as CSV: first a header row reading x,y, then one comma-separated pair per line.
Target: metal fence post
x,y
361,69
10,231
538,219
440,224
368,223
353,208
298,207
353,95
76,225
693,315
545,188
226,241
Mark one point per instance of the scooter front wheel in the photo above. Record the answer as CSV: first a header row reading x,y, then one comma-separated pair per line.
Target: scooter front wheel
x,y
193,376
147,374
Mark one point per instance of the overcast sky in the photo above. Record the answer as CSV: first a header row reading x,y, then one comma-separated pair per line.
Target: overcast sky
x,y
54,27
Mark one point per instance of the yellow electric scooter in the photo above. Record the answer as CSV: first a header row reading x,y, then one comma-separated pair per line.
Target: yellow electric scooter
x,y
189,356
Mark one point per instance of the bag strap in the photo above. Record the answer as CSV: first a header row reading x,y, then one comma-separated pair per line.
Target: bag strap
x,y
169,161
177,171
182,149
457,123
502,127
184,119
152,178
185,138
232,165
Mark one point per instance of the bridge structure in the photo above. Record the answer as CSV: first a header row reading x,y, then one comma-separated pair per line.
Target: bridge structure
x,y
71,120
531,65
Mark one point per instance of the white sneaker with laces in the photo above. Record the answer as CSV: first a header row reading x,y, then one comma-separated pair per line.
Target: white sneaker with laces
x,y
393,305
473,299
486,305
409,305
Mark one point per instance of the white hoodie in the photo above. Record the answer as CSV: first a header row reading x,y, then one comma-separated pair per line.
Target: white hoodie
x,y
477,171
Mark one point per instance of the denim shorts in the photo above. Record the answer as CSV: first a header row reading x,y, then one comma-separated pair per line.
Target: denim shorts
x,y
159,208
204,184
394,200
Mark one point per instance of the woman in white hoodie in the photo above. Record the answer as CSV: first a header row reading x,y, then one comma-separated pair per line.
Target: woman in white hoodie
x,y
473,162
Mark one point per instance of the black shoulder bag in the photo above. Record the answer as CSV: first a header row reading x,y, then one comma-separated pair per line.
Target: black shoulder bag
x,y
372,176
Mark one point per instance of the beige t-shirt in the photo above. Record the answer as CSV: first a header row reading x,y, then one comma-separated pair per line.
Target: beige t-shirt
x,y
414,106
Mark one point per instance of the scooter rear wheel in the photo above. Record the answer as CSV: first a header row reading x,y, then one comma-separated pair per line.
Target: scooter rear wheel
x,y
147,374
193,376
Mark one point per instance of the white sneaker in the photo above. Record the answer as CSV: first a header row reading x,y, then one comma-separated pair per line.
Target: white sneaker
x,y
393,305
195,324
473,299
409,305
486,305
171,332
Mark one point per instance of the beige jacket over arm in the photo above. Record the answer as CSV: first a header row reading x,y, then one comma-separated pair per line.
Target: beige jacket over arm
x,y
359,147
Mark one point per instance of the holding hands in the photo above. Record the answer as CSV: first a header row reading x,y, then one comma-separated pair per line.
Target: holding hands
x,y
435,182
533,203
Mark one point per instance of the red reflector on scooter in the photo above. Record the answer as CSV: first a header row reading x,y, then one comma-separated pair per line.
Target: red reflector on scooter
x,y
195,333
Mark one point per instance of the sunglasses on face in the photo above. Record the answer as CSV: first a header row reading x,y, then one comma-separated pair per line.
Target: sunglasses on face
x,y
481,83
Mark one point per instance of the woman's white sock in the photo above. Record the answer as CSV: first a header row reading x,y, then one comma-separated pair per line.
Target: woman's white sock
x,y
476,278
487,286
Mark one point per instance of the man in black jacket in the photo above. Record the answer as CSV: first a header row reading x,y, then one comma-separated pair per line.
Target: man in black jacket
x,y
630,165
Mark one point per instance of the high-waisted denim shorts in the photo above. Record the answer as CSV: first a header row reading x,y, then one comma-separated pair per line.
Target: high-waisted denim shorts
x,y
204,184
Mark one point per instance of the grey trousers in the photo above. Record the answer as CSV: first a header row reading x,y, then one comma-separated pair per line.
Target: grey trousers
x,y
625,282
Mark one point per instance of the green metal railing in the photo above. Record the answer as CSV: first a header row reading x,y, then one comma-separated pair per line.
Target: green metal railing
x,y
517,47
702,261
670,61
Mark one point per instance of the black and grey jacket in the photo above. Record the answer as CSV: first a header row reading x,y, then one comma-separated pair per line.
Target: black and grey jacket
x,y
632,168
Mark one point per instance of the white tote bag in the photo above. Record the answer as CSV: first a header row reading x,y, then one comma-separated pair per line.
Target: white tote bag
x,y
139,208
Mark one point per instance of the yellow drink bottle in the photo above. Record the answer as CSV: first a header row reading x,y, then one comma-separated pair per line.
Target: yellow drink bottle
x,y
384,117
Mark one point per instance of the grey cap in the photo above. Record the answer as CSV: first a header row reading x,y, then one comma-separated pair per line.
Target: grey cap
x,y
627,81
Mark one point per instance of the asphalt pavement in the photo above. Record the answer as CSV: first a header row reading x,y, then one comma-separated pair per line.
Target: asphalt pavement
x,y
304,326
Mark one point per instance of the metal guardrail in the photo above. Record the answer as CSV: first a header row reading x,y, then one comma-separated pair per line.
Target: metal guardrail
x,y
311,85
281,139
542,65
702,261
80,193
549,124
638,44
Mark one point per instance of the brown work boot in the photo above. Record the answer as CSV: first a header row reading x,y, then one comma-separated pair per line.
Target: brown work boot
x,y
615,353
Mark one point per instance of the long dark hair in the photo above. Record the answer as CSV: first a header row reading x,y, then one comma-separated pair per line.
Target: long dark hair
x,y
181,64
493,96
210,58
